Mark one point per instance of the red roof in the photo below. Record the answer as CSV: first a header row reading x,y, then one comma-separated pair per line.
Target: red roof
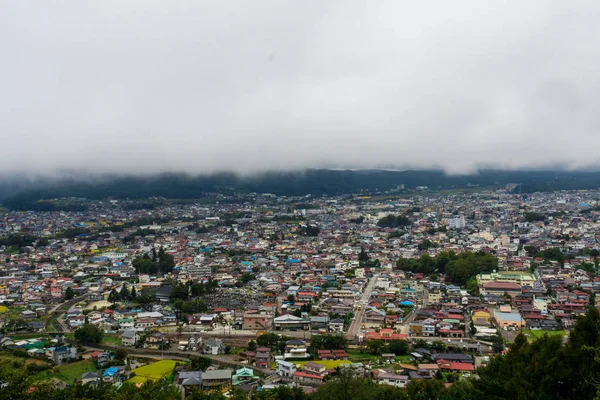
x,y
455,366
306,375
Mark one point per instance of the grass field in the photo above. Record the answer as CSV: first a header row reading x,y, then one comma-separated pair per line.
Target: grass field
x,y
535,334
329,364
21,336
3,309
155,370
70,372
67,372
357,356
111,340
137,379
7,360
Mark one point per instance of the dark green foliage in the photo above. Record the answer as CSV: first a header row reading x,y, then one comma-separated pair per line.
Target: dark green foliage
x,y
73,232
120,354
344,387
393,221
113,296
190,306
180,292
534,217
426,244
89,334
328,342
247,277
69,293
459,268
316,182
17,241
310,230
161,263
425,389
497,343
553,254
398,347
124,294
199,362
468,265
363,256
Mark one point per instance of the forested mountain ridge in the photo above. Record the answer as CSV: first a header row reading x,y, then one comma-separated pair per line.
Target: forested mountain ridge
x,y
317,182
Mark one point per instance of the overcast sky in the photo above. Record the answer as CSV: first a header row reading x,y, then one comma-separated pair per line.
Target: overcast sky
x,y
152,86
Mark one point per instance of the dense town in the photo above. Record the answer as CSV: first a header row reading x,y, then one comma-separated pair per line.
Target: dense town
x,y
256,292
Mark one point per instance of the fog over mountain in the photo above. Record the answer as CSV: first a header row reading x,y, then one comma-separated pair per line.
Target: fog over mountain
x,y
142,87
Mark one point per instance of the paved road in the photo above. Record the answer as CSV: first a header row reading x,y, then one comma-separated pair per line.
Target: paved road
x,y
64,306
405,328
364,300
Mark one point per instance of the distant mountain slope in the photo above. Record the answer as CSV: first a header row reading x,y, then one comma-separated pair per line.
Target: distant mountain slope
x,y
316,182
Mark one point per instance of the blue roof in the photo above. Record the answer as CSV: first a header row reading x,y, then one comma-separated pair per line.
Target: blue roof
x,y
110,371
406,303
292,260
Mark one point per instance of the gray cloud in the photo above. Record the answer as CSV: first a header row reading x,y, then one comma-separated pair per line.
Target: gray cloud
x,y
198,86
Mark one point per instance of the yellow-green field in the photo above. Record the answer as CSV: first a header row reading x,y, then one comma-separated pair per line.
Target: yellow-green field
x,y
3,309
329,364
153,371
536,334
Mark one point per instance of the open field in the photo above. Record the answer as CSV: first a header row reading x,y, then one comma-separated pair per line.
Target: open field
x,y
21,336
111,340
137,379
535,334
3,309
66,372
8,361
153,371
357,356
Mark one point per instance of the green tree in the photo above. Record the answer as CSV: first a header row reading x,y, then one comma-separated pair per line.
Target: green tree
x,y
398,347
69,293
113,296
124,293
89,334
199,362
180,291
375,346
392,221
252,345
498,344
363,256
120,354
472,286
